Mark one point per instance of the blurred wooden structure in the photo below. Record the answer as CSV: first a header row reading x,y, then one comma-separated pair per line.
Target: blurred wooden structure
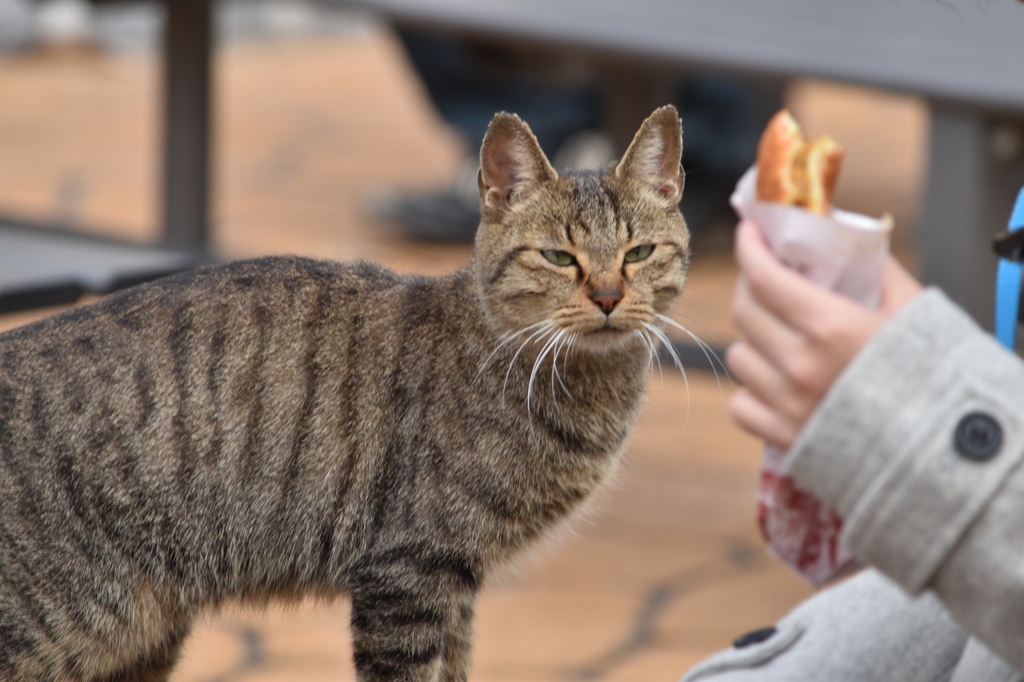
x,y
964,56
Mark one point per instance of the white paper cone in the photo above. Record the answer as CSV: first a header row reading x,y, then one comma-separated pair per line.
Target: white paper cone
x,y
844,252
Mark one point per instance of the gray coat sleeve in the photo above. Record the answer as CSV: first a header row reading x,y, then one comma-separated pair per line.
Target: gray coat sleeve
x,y
865,629
882,449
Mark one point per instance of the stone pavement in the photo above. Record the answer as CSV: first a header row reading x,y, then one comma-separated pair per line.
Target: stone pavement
x,y
663,569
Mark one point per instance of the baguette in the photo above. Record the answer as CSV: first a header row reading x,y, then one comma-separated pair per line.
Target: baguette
x,y
791,170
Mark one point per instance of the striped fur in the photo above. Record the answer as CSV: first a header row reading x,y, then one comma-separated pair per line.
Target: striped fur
x,y
284,426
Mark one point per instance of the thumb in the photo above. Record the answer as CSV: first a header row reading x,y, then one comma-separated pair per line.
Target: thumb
x,y
898,287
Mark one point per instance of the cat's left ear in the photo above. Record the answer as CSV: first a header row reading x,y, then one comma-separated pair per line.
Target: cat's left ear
x,y
512,164
655,155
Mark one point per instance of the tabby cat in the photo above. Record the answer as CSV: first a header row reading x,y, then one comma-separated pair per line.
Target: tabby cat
x,y
283,426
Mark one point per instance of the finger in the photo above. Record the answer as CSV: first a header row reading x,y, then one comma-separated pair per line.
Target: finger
x,y
757,419
755,372
767,333
788,295
898,287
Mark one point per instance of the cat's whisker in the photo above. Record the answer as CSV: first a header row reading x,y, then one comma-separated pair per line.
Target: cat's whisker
x,y
537,335
692,321
647,344
512,362
709,352
505,339
565,359
652,350
569,343
509,335
517,332
661,371
703,344
563,343
665,341
653,356
495,352
554,366
540,334
533,373
657,358
544,320
548,345
640,334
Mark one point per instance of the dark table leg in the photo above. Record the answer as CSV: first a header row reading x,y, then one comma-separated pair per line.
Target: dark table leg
x,y
969,198
630,97
188,51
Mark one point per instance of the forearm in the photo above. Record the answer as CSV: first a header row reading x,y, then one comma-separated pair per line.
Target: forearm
x,y
882,450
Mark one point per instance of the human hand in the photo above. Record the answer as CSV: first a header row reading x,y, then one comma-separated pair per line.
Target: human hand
x,y
797,337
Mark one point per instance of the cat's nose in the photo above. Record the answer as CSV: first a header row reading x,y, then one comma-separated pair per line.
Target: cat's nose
x,y
606,298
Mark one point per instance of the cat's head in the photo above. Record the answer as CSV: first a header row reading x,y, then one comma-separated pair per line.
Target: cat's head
x,y
596,254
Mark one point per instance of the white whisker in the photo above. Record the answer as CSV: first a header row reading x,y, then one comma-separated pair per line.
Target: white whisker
x,y
675,358
657,355
554,365
657,358
567,345
639,333
652,349
505,339
536,365
544,331
709,353
689,321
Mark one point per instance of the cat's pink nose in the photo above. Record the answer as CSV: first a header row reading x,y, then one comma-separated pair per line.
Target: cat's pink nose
x,y
606,298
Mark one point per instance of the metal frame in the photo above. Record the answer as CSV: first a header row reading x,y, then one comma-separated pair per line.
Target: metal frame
x,y
188,104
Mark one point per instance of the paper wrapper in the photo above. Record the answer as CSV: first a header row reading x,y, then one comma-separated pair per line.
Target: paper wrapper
x,y
844,252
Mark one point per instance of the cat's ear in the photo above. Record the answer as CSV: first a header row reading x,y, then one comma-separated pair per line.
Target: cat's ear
x,y
512,163
655,155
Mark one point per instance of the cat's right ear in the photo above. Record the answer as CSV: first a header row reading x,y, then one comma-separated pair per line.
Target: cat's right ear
x,y
512,164
655,155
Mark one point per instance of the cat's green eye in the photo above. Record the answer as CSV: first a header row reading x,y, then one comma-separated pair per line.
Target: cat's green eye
x,y
639,253
558,257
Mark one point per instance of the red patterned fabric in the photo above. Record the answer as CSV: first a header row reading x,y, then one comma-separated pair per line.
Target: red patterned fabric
x,y
799,528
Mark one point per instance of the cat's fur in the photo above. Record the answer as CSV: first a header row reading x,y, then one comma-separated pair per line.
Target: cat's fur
x,y
285,426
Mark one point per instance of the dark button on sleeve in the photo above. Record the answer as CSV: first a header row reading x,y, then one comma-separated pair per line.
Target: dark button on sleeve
x,y
978,437
754,637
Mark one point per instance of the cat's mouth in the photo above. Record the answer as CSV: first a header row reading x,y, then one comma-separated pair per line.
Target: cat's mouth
x,y
606,336
612,326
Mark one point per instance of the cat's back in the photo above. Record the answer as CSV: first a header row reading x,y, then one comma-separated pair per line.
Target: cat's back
x,y
216,316
251,292
175,349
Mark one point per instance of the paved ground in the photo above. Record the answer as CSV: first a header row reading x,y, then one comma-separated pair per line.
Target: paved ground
x,y
665,568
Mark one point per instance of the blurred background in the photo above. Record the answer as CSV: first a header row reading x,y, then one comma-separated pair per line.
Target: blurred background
x,y
142,137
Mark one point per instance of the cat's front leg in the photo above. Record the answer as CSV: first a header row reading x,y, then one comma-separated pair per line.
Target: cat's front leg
x,y
411,627
459,643
155,666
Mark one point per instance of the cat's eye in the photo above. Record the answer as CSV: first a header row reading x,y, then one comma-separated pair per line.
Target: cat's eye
x,y
639,253
558,257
